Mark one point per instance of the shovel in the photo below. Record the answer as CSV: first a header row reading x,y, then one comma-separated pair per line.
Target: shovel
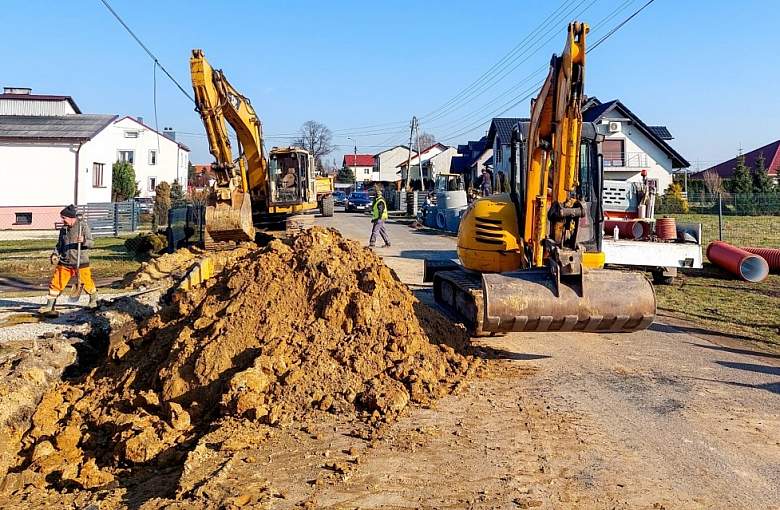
x,y
75,293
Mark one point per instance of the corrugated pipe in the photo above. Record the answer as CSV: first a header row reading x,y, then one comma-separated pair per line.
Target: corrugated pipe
x,y
771,255
627,229
749,267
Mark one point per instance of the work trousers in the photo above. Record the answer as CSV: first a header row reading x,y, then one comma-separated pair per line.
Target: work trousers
x,y
62,275
378,227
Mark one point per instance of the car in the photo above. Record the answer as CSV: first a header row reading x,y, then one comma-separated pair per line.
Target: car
x,y
358,201
339,198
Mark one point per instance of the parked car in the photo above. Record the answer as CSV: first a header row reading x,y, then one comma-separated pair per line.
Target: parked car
x,y
358,201
339,198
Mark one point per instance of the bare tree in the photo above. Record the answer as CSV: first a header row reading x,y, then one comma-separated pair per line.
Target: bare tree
x,y
425,140
316,138
713,182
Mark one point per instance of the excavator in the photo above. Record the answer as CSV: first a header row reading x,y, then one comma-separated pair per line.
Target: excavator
x,y
251,189
531,259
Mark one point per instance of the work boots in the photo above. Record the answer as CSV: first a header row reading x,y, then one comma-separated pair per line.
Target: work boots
x,y
93,300
48,308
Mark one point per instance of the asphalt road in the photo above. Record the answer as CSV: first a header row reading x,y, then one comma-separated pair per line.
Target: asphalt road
x,y
661,417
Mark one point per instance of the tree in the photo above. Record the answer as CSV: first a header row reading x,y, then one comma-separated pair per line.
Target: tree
x,y
762,183
425,140
123,183
673,200
741,181
177,193
162,203
345,175
316,138
713,182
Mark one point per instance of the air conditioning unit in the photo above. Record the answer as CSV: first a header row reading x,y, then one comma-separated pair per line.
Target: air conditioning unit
x,y
614,127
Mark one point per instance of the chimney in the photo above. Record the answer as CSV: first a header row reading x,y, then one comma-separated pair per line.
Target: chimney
x,y
24,91
168,132
140,120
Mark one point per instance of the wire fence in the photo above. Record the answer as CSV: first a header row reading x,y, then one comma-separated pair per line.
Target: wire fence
x,y
742,219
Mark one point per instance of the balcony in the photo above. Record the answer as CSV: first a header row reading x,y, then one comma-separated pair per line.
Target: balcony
x,y
617,160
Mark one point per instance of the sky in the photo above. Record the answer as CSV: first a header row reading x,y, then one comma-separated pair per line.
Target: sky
x,y
708,70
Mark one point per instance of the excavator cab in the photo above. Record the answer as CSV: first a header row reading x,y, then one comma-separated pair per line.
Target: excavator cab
x,y
291,176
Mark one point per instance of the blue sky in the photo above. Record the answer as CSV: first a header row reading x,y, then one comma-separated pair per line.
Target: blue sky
x,y
706,69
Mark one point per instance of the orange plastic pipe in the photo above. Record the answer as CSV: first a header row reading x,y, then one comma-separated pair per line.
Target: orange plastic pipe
x,y
749,267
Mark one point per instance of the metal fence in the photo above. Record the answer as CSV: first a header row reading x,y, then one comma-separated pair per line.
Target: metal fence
x,y
742,219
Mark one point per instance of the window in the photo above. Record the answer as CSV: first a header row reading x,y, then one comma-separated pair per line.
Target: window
x,y
152,183
131,134
367,171
97,175
613,152
23,218
152,157
126,156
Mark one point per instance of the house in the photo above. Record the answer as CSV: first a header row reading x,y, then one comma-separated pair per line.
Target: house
x,y
631,146
471,159
498,138
202,177
362,166
60,156
386,164
771,153
428,164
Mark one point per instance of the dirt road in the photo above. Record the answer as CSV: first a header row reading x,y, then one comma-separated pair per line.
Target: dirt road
x,y
657,419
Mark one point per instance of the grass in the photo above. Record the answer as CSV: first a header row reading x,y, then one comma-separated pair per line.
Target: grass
x,y
29,259
738,230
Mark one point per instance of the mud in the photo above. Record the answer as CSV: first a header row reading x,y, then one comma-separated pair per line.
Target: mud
x,y
303,331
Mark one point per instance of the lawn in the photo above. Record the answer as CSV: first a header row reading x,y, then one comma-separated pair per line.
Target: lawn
x,y
29,259
738,230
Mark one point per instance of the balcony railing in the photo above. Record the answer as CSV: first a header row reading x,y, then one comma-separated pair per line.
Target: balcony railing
x,y
625,160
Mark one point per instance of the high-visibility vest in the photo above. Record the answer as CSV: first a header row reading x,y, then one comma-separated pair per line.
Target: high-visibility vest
x,y
375,209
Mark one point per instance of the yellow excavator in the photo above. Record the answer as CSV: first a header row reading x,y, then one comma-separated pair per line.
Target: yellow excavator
x,y
250,189
531,259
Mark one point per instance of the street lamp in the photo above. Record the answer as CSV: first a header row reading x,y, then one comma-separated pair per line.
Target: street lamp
x,y
354,160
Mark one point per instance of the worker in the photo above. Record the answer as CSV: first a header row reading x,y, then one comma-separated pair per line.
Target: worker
x,y
378,217
65,258
288,181
485,185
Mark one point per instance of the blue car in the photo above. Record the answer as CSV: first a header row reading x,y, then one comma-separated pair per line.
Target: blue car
x,y
339,198
358,201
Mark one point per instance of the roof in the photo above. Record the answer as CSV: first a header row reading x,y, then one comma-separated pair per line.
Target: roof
x,y
414,159
79,127
362,160
502,127
392,148
184,147
39,97
771,152
599,109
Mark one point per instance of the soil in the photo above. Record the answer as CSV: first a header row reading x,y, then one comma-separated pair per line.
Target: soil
x,y
308,334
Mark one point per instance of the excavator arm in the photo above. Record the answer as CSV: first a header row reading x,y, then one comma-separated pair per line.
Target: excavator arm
x,y
229,211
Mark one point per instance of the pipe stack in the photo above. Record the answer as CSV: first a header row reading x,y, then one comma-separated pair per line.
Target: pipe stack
x,y
749,267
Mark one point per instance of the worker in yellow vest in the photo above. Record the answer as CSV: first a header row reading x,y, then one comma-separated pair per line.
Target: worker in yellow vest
x,y
378,217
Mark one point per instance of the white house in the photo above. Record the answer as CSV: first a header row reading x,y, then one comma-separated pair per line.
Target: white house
x,y
362,166
434,160
386,163
55,156
631,146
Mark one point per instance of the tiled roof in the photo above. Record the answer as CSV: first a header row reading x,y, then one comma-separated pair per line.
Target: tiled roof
x,y
502,127
63,127
362,160
771,154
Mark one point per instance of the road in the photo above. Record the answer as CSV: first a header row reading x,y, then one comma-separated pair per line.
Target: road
x,y
656,419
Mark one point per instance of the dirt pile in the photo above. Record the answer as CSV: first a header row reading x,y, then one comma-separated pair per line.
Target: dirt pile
x,y
284,335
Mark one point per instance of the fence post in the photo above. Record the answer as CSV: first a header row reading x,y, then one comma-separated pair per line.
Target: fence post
x,y
720,216
133,219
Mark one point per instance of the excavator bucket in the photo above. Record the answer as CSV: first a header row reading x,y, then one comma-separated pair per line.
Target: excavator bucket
x,y
230,221
602,301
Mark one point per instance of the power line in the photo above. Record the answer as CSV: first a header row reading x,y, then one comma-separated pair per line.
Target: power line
x,y
609,34
147,50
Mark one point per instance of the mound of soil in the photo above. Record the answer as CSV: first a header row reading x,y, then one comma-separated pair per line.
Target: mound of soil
x,y
289,333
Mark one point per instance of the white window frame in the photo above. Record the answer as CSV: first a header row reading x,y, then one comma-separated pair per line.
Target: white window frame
x,y
149,180
98,174
132,155
152,158
131,134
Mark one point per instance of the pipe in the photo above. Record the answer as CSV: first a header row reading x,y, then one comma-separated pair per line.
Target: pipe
x,y
627,229
771,255
749,267
76,179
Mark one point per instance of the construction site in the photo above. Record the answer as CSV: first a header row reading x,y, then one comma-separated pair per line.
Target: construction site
x,y
545,335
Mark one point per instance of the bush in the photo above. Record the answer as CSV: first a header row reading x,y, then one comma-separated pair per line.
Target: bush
x,y
162,203
673,201
145,245
123,183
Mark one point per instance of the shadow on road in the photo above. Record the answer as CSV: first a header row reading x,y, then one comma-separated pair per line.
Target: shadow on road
x,y
770,387
736,351
428,254
750,367
695,330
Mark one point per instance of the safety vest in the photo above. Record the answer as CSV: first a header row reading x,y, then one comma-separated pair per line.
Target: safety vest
x,y
375,209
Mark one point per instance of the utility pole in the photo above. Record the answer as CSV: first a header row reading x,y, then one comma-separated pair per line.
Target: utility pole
x,y
405,180
419,154
354,160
